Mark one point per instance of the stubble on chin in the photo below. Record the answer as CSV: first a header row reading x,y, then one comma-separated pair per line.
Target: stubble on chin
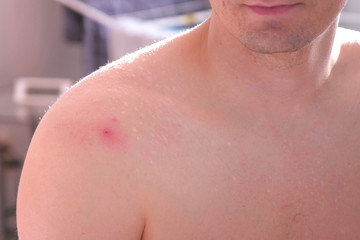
x,y
274,38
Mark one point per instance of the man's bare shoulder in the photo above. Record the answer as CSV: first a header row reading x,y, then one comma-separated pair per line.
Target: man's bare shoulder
x,y
92,147
139,90
348,42
126,104
106,111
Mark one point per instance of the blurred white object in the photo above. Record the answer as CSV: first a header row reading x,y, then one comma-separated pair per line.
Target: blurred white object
x,y
33,96
130,32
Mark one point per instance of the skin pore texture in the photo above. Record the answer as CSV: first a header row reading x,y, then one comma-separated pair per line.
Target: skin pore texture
x,y
246,127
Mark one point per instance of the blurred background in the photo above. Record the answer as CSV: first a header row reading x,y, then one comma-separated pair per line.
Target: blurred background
x,y
47,45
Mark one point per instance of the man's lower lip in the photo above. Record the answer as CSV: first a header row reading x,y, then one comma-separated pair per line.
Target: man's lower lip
x,y
275,10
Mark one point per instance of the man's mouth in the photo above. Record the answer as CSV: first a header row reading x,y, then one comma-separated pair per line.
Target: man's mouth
x,y
272,10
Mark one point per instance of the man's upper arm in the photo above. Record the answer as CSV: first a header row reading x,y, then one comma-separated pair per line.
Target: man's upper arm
x,y
76,184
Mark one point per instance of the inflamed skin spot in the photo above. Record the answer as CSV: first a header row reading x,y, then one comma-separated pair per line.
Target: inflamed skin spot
x,y
112,135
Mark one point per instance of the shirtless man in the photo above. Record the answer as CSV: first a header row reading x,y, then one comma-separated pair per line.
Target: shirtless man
x,y
247,127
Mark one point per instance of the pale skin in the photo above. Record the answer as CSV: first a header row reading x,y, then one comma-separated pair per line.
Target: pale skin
x,y
246,127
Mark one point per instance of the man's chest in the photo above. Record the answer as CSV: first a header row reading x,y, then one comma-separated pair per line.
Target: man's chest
x,y
257,185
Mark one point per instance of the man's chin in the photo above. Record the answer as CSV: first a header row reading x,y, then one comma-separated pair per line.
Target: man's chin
x,y
274,46
276,41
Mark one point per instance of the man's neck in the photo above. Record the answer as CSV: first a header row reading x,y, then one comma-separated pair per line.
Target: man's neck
x,y
289,78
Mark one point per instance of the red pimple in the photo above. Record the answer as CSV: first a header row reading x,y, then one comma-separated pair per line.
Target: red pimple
x,y
107,132
113,136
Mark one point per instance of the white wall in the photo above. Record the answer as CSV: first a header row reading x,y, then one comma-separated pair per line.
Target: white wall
x,y
31,44
31,41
